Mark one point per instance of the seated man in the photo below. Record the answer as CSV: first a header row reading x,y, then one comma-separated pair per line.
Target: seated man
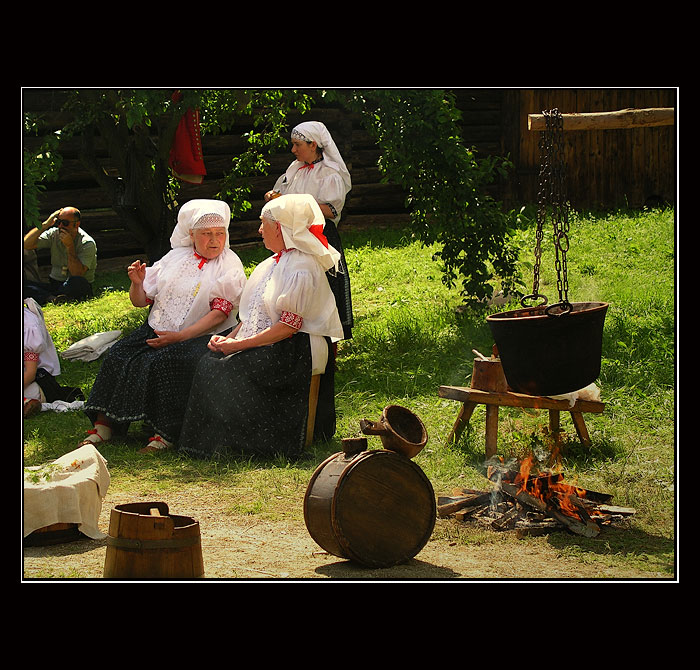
x,y
73,258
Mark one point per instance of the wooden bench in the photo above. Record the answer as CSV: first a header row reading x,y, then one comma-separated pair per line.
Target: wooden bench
x,y
470,398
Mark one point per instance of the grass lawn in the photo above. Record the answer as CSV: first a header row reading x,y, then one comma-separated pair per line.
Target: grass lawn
x,y
409,339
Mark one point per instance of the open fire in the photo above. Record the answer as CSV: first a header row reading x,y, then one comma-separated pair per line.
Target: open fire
x,y
533,501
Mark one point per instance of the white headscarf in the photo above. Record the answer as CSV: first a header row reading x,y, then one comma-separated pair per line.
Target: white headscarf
x,y
223,275
302,224
315,131
199,214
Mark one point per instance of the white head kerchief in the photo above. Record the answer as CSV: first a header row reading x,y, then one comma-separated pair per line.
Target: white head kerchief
x,y
315,131
302,224
199,214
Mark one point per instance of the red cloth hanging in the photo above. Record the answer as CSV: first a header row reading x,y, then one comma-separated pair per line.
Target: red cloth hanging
x,y
186,160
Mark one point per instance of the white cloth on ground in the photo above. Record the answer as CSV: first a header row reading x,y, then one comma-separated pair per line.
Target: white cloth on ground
x,y
90,348
72,492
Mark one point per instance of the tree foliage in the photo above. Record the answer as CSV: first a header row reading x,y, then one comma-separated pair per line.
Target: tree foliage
x,y
446,185
417,132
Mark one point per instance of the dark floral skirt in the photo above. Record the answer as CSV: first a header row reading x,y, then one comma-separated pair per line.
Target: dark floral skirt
x,y
139,383
256,402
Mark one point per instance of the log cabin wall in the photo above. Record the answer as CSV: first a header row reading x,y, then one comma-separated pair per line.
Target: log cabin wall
x,y
605,169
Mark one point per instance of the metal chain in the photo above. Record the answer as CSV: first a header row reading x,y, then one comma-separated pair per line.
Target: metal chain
x,y
552,195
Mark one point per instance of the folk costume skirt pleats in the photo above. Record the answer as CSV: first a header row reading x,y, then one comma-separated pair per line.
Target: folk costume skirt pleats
x,y
256,402
139,383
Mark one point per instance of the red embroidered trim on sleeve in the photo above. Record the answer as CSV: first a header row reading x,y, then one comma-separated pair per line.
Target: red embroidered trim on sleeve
x,y
222,305
293,320
31,356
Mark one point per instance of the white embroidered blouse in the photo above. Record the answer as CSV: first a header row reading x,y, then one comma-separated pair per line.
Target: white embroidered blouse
x,y
183,289
294,290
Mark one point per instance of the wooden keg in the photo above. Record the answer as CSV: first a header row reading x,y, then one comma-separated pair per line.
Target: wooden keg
x,y
56,533
374,507
147,542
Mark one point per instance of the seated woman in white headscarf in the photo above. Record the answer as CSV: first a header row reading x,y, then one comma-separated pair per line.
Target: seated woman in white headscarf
x,y
251,394
193,292
319,171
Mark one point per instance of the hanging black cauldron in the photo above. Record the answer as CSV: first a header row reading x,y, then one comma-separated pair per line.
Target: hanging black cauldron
x,y
551,349
550,352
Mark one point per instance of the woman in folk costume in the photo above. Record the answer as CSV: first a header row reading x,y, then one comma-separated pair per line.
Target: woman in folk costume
x,y
193,292
319,170
39,354
251,394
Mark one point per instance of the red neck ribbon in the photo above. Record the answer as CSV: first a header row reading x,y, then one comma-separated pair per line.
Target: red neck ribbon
x,y
202,260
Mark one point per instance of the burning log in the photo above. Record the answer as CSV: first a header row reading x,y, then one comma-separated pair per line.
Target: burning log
x,y
579,522
533,503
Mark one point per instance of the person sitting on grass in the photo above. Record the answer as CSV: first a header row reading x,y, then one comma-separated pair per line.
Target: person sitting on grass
x,y
73,258
193,292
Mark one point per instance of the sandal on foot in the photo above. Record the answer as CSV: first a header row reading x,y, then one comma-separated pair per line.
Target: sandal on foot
x,y
93,438
156,443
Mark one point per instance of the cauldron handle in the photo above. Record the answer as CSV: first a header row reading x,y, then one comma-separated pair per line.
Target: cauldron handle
x,y
532,296
564,305
372,427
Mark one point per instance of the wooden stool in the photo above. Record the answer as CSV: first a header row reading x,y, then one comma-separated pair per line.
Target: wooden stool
x,y
313,403
470,398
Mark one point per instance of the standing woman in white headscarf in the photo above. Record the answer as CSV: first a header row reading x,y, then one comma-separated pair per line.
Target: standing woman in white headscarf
x,y
251,394
320,171
192,292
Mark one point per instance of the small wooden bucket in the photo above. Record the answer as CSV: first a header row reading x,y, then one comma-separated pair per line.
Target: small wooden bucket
x,y
376,507
146,542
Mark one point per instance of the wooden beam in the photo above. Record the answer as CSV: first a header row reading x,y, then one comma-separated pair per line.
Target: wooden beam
x,y
624,118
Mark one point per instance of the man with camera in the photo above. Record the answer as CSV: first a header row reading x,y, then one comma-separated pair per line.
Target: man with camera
x,y
73,258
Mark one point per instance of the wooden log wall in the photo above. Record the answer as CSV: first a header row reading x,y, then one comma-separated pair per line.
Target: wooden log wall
x,y
604,168
607,169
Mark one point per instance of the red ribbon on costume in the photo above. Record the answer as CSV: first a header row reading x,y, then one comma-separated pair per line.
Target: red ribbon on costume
x,y
278,255
317,232
201,259
307,166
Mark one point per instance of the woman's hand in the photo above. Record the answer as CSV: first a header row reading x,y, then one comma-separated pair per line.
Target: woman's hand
x,y
224,345
165,337
137,272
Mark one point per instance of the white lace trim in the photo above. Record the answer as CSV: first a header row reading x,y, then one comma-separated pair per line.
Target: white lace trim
x,y
258,318
172,305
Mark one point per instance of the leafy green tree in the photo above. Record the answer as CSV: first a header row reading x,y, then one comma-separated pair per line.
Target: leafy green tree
x,y
446,185
137,127
40,166
417,131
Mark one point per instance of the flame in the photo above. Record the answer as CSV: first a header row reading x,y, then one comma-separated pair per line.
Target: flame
x,y
549,487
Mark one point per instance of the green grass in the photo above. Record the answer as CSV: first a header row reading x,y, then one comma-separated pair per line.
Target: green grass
x,y
408,340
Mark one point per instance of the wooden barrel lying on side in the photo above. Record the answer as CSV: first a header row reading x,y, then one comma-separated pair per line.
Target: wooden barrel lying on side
x,y
147,542
56,533
374,507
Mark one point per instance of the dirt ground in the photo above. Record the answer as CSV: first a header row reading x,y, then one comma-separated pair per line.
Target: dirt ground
x,y
248,548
